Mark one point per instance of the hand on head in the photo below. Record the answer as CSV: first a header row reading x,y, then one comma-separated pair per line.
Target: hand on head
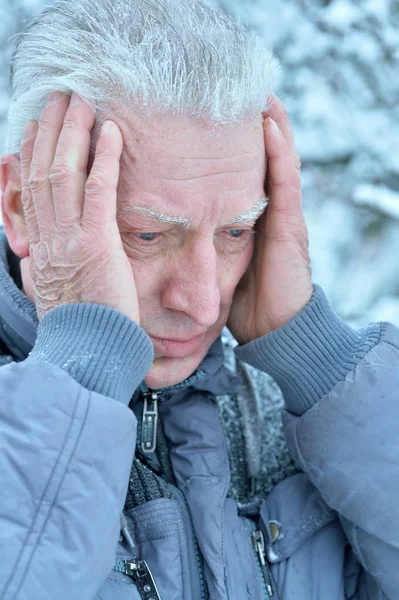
x,y
75,250
277,284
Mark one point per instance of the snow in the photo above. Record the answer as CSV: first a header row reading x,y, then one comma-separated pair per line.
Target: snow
x,y
341,15
378,197
340,85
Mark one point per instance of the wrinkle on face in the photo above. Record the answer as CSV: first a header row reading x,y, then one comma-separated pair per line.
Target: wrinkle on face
x,y
174,149
178,180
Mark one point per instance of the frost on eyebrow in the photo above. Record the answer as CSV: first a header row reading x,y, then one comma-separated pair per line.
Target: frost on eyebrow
x,y
181,221
253,213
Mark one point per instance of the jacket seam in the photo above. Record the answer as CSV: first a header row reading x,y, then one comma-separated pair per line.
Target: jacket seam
x,y
56,492
13,569
310,527
72,454
222,505
180,557
390,344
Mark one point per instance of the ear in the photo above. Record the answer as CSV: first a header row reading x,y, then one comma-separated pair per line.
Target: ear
x,y
11,205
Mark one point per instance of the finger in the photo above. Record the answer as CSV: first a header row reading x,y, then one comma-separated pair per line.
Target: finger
x,y
102,183
50,125
68,173
27,145
279,114
283,178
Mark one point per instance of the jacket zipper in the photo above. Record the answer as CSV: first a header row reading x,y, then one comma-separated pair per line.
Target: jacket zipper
x,y
139,571
203,587
258,542
149,422
148,442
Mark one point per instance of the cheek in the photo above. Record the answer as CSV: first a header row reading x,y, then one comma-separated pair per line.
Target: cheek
x,y
147,277
231,271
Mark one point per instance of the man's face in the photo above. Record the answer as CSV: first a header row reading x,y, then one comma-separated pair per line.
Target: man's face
x,y
180,193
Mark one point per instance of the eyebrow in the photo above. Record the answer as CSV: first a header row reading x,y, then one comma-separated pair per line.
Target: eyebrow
x,y
164,218
249,216
252,214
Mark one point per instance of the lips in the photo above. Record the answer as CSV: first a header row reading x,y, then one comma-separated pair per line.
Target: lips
x,y
180,340
173,348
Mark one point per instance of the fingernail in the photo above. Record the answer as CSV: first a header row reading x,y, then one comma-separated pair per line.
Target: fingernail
x,y
54,97
107,127
29,131
271,123
75,99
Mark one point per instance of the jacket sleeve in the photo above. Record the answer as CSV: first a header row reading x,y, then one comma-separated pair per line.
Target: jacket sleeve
x,y
341,390
67,440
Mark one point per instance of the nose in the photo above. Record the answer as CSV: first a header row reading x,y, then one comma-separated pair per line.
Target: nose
x,y
192,284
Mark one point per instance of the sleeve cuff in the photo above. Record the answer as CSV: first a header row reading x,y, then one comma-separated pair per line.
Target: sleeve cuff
x,y
311,353
101,348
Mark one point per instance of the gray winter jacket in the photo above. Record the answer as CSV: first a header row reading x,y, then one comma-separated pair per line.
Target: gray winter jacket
x,y
330,531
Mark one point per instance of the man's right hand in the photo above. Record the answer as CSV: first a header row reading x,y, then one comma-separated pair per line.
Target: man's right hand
x,y
76,252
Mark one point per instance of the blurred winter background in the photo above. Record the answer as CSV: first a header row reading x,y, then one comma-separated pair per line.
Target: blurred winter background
x,y
340,84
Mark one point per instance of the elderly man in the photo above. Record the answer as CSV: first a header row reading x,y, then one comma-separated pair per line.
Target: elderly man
x,y
142,453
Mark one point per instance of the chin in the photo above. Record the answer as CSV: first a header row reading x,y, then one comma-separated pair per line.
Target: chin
x,y
166,371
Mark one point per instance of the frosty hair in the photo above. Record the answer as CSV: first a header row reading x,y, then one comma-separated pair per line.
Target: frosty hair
x,y
176,56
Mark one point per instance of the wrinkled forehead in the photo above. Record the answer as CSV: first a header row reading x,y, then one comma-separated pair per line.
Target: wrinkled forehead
x,y
175,167
181,136
181,148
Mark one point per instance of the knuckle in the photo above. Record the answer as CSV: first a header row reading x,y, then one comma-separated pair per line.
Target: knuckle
x,y
45,123
26,160
66,228
294,182
71,121
59,174
102,150
96,183
37,178
291,182
26,196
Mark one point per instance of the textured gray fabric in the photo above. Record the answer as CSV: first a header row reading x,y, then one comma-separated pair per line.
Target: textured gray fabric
x,y
310,354
251,420
144,485
100,347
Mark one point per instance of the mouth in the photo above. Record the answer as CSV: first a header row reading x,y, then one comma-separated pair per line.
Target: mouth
x,y
177,348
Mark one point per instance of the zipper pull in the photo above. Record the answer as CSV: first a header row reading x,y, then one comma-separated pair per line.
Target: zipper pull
x,y
258,541
149,422
125,533
140,573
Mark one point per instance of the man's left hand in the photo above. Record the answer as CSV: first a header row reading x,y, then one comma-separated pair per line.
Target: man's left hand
x,y
277,283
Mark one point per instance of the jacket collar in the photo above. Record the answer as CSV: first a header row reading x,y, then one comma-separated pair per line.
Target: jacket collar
x,y
18,318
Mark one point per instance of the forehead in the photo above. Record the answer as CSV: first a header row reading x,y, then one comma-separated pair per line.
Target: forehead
x,y
179,163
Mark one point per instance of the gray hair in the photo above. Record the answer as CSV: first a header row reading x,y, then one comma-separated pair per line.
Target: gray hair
x,y
173,55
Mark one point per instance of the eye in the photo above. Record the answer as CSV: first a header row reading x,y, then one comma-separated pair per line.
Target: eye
x,y
148,237
236,233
